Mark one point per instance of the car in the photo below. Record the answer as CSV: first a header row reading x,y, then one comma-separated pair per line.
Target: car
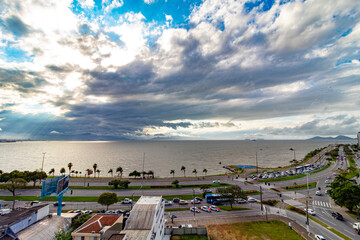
x,y
318,193
252,200
319,237
337,215
183,202
241,200
327,181
176,200
194,201
167,203
86,212
328,177
207,191
71,211
206,208
77,211
194,209
356,226
214,208
198,198
310,211
173,216
110,211
57,204
34,202
102,211
126,201
216,181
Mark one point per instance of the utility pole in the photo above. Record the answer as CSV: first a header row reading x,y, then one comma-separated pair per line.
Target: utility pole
x,y
307,204
42,165
261,204
194,204
85,180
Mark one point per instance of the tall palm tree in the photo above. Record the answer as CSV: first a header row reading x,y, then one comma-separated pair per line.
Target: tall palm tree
x,y
119,170
52,171
183,168
95,167
151,172
111,171
70,166
62,170
76,172
205,171
98,172
89,171
172,172
195,172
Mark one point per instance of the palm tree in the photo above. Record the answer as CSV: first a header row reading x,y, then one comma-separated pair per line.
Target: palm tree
x,y
110,171
52,171
195,172
72,171
95,167
151,172
62,170
205,171
89,171
120,171
172,172
70,166
76,172
98,172
183,168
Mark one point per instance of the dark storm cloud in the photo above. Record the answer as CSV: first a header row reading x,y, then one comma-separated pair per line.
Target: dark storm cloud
x,y
17,27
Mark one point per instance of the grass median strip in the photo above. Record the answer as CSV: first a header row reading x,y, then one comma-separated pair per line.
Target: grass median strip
x,y
299,187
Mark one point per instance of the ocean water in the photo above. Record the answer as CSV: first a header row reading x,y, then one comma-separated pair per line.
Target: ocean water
x,y
160,156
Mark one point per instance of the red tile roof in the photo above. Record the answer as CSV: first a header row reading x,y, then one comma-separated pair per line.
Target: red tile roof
x,y
96,223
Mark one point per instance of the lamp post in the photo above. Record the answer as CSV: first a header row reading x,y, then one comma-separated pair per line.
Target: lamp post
x,y
257,168
307,204
42,165
194,204
85,180
291,149
132,199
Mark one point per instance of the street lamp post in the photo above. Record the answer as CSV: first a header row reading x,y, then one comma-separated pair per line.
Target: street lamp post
x,y
85,180
194,204
307,204
291,149
256,159
132,199
42,165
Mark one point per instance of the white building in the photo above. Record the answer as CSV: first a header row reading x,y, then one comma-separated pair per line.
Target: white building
x,y
358,136
147,220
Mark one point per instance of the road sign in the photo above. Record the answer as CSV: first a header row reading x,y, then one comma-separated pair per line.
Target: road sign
x,y
58,185
62,185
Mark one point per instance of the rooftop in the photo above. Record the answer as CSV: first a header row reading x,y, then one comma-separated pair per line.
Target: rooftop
x,y
142,215
18,214
96,223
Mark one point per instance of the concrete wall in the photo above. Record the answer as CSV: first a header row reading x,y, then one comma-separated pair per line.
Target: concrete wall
x,y
186,231
17,227
42,212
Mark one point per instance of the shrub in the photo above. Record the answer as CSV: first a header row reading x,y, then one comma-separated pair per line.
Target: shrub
x,y
270,202
298,210
118,183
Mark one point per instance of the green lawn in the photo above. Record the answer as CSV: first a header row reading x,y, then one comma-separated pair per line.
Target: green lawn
x,y
234,208
299,187
252,231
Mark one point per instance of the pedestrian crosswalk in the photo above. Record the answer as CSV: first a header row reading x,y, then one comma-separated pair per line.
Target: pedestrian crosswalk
x,y
322,204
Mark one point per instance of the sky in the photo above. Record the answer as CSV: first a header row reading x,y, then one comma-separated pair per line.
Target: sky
x,y
179,69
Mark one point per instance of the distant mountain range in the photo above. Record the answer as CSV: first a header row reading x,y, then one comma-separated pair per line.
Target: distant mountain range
x,y
340,137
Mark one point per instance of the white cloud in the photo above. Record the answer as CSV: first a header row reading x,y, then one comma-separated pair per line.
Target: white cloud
x,y
112,4
54,132
87,3
149,1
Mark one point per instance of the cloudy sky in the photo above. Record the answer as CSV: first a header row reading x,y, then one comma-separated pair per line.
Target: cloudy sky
x,y
179,69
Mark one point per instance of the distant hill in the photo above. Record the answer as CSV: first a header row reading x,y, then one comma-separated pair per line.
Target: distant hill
x,y
340,137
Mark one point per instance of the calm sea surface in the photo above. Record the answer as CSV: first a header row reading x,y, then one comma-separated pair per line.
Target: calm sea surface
x,y
160,156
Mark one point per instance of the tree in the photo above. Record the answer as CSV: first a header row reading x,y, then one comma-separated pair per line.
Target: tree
x,y
176,183
111,172
345,193
95,167
98,172
12,185
183,168
151,172
62,234
231,193
62,170
116,183
76,172
172,172
135,174
70,166
52,171
77,222
195,172
119,170
107,199
205,171
204,188
34,176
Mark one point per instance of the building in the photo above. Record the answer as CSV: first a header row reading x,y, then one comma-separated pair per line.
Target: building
x,y
19,219
97,226
358,137
147,220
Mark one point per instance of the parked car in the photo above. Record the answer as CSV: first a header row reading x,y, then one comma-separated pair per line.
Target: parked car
x,y
195,209
183,202
167,203
214,208
337,215
319,237
206,208
252,200
71,211
310,211
176,200
126,201
86,212
195,201
198,198
57,204
241,200
102,211
216,181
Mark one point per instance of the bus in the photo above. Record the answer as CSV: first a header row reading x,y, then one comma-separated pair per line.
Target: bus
x,y
214,198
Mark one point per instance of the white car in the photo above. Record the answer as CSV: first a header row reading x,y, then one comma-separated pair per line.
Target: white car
x,y
206,208
214,208
167,203
241,200
311,211
319,237
252,200
318,193
216,181
126,201
195,209
327,181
